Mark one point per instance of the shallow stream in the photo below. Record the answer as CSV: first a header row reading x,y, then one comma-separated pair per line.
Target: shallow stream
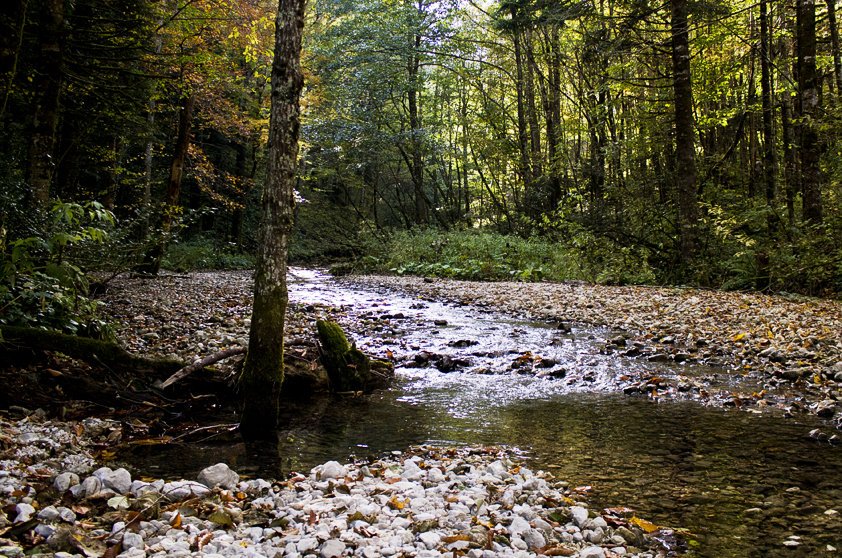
x,y
742,483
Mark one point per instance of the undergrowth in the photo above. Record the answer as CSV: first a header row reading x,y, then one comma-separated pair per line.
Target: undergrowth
x,y
488,256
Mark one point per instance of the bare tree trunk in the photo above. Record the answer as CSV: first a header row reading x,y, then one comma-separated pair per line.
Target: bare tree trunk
x,y
808,102
685,151
48,85
790,164
263,370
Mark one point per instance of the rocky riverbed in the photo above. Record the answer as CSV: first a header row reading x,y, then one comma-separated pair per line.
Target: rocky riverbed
x,y
426,502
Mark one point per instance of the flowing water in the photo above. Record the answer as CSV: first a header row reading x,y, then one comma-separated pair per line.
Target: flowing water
x,y
742,483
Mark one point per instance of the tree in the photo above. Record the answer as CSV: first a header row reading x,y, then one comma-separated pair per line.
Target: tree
x,y
263,370
685,150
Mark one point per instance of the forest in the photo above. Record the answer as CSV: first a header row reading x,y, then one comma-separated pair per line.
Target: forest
x,y
549,277
620,142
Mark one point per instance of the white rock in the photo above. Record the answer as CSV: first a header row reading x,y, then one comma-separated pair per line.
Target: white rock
x,y
307,544
592,552
331,470
430,539
534,538
132,540
332,549
219,475
518,526
580,515
120,481
435,475
50,513
24,513
180,490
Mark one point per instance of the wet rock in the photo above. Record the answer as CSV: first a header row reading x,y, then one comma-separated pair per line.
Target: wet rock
x,y
462,343
658,357
440,323
219,475
826,408
554,373
792,374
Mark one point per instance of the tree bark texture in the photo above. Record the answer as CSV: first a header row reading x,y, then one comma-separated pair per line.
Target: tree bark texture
x,y
808,105
263,370
685,150
48,85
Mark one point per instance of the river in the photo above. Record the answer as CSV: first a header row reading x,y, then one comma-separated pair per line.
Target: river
x,y
743,483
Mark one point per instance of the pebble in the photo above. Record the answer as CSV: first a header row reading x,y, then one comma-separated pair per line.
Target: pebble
x,y
426,503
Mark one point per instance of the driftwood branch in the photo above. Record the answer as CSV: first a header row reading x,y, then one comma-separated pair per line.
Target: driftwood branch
x,y
199,364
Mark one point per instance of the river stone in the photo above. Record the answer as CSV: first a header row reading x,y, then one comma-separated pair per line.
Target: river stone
x,y
219,475
592,552
89,487
534,538
64,481
430,539
132,540
120,481
181,490
411,471
332,549
24,513
434,475
518,526
49,513
331,470
580,515
11,551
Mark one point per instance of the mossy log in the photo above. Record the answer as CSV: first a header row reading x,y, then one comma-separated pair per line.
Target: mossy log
x,y
23,340
349,369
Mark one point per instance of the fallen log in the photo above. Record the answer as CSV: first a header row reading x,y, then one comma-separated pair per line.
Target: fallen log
x,y
21,340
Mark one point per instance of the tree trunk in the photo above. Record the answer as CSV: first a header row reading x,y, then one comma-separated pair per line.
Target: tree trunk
x,y
522,130
834,46
152,261
417,164
770,160
685,151
808,104
12,22
263,370
48,85
790,164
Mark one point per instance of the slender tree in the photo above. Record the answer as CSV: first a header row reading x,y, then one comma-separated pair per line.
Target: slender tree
x,y
263,370
685,150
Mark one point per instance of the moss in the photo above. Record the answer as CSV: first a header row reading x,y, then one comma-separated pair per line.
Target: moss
x,y
22,339
348,368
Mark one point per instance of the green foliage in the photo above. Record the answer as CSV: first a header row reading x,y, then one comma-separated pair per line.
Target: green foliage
x,y
468,254
41,285
203,253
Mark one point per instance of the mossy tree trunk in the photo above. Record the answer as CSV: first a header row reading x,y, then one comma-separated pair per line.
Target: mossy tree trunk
x,y
263,370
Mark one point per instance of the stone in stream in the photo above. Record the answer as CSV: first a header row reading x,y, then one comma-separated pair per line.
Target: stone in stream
x,y
219,475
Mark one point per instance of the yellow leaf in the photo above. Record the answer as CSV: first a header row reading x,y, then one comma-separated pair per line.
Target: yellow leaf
x,y
396,504
643,524
740,336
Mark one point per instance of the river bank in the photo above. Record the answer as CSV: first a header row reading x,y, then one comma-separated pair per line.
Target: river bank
x,y
426,502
